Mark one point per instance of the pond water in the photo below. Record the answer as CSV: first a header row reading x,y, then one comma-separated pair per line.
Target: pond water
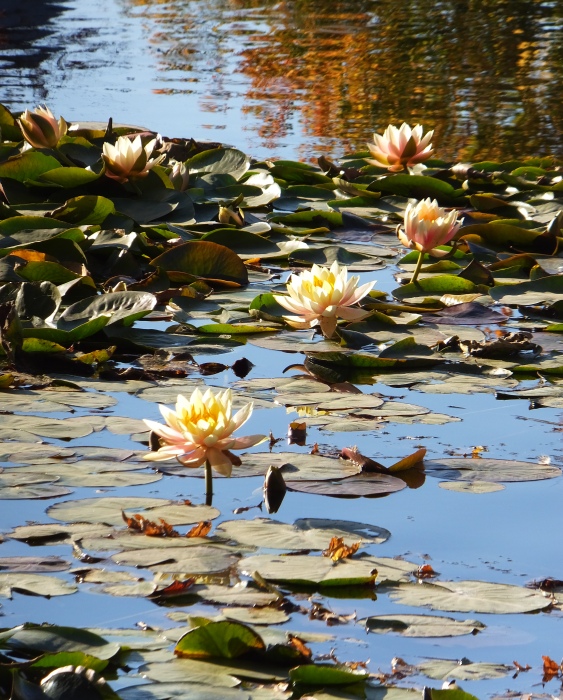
x,y
295,80
301,78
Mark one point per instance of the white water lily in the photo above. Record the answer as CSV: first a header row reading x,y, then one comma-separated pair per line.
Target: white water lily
x,y
200,430
400,148
129,158
322,295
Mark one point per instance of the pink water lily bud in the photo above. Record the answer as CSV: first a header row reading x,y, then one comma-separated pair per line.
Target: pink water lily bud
x,y
427,225
40,128
401,148
322,295
129,158
200,430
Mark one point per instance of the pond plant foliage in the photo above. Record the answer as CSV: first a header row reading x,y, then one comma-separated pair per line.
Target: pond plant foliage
x,y
105,229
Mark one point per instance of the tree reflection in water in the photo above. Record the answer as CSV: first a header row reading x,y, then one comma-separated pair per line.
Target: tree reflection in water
x,y
487,76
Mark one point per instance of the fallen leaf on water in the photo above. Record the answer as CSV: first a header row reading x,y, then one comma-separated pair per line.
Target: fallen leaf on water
x,y
300,646
319,612
200,530
425,571
174,589
338,550
297,433
551,669
521,668
149,527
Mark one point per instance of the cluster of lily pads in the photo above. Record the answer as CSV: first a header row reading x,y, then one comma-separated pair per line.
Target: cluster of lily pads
x,y
102,227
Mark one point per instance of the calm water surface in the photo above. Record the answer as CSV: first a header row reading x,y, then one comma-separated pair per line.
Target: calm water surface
x,y
298,78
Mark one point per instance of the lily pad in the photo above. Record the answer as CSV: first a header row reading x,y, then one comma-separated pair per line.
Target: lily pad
x,y
421,625
470,596
443,669
487,469
305,570
108,510
308,533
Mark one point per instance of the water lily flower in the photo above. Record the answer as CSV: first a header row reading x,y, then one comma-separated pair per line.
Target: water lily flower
x,y
427,225
129,159
40,128
179,176
200,431
322,295
400,148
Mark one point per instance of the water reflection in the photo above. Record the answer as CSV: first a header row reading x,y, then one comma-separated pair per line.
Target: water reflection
x,y
26,42
487,76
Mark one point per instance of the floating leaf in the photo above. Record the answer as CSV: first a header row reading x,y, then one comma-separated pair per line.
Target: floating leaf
x,y
421,625
309,533
310,571
222,640
443,669
470,596
487,469
205,260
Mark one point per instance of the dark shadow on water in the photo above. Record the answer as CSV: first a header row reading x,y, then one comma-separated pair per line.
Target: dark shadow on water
x,y
27,40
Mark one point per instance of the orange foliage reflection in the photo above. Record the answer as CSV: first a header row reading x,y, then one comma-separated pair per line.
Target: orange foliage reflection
x,y
486,76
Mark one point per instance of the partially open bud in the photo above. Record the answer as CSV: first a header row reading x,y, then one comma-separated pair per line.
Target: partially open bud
x,y
179,176
40,128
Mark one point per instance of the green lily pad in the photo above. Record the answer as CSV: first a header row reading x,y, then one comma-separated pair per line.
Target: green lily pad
x,y
494,470
33,584
206,260
470,596
305,570
310,533
108,510
443,669
38,639
421,625
223,640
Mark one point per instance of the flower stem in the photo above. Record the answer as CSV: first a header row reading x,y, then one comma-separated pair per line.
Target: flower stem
x,y
208,484
417,268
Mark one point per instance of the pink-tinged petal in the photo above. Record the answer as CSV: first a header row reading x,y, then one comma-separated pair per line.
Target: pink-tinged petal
x,y
164,454
243,443
171,418
168,434
219,461
290,304
349,313
193,459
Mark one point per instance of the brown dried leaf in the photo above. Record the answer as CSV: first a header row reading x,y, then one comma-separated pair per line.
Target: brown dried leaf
x,y
551,669
338,550
174,589
425,571
148,527
200,530
300,646
365,463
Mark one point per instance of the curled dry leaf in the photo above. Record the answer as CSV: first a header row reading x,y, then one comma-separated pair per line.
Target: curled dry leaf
x,y
338,550
300,646
149,527
200,530
176,588
319,612
551,669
